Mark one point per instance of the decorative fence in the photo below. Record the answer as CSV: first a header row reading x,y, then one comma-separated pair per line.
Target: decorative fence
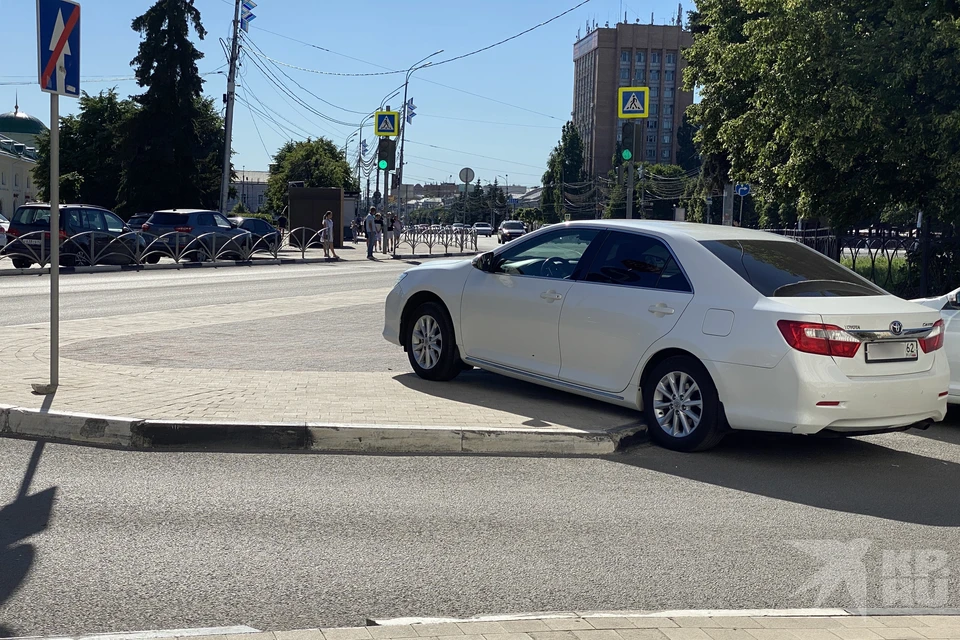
x,y
906,262
141,248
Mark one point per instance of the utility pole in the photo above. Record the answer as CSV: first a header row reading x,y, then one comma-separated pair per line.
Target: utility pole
x,y
630,182
228,123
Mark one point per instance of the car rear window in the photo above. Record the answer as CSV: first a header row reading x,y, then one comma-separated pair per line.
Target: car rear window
x,y
169,219
513,225
789,269
32,215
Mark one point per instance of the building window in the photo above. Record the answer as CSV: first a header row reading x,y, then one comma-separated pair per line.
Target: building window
x,y
654,75
641,57
624,58
667,139
16,179
668,94
3,178
672,57
651,124
654,108
244,198
651,154
668,109
670,76
667,124
260,199
652,138
625,74
665,153
654,58
639,75
654,92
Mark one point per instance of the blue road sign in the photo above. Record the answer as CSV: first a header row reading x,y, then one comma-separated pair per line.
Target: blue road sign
x,y
634,102
246,14
58,39
742,190
409,111
363,147
387,123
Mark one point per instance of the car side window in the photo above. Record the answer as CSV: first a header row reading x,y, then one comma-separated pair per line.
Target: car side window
x,y
222,222
553,255
205,220
635,260
249,225
71,221
114,223
92,220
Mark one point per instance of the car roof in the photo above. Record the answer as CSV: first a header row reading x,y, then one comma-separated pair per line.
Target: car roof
x,y
695,231
186,211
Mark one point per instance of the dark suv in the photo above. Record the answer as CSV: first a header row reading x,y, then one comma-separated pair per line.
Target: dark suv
x,y
510,230
196,234
265,235
28,244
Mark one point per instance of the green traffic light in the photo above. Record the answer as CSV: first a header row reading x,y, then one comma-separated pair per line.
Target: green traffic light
x,y
382,165
627,154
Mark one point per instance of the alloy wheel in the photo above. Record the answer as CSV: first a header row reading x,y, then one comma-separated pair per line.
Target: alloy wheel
x,y
678,404
427,342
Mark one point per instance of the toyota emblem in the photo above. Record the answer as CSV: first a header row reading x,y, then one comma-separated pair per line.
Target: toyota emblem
x,y
896,327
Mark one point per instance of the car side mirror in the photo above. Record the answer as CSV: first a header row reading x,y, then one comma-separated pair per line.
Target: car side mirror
x,y
954,301
484,262
127,229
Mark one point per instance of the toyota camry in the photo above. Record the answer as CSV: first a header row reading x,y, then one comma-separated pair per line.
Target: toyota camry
x,y
702,328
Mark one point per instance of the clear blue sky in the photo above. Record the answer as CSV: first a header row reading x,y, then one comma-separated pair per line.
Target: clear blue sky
x,y
533,73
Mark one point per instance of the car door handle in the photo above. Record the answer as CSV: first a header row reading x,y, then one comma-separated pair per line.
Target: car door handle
x,y
551,296
661,310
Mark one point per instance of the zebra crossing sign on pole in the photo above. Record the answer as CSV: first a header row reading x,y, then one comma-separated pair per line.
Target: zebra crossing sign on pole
x,y
634,102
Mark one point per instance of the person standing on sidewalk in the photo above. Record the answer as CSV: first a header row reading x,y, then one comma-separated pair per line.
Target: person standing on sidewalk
x,y
370,231
328,250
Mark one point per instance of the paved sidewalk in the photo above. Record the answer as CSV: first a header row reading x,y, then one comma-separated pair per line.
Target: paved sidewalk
x,y
179,385
723,626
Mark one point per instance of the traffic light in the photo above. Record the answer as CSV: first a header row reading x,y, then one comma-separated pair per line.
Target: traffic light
x,y
387,154
629,140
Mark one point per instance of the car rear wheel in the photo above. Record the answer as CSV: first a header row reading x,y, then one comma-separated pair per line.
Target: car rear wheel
x,y
681,406
21,263
430,344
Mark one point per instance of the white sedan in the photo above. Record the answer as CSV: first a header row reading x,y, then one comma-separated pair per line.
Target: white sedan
x,y
4,227
949,308
703,328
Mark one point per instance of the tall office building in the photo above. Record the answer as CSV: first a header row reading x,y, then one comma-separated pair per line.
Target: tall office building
x,y
629,55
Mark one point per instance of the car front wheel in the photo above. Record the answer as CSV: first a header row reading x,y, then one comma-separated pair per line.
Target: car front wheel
x,y
430,344
681,406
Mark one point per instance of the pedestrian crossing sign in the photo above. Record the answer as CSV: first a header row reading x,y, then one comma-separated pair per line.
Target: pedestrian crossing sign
x,y
387,123
634,102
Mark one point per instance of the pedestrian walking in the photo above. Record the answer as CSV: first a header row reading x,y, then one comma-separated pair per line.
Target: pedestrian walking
x,y
378,239
370,231
388,245
397,229
328,250
282,225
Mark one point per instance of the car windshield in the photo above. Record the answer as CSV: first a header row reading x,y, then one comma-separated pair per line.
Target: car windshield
x,y
513,225
169,218
32,215
776,268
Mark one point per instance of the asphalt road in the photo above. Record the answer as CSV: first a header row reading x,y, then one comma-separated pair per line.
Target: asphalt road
x,y
152,541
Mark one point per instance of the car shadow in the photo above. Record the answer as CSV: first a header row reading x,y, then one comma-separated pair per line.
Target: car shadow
x,y
537,406
947,431
27,515
851,475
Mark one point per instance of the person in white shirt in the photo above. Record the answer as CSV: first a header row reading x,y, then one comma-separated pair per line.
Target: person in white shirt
x,y
370,231
328,250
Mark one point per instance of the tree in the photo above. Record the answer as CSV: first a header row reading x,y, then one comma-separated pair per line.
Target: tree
x,y
239,209
847,109
173,152
317,163
90,144
564,167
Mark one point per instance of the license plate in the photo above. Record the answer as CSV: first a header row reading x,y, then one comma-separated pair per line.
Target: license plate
x,y
892,351
31,241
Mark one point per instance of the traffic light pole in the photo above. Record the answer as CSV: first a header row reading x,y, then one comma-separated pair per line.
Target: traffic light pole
x,y
228,119
630,182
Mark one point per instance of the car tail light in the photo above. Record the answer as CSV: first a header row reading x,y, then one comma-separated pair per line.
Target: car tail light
x,y
13,233
934,339
183,229
819,339
63,234
145,226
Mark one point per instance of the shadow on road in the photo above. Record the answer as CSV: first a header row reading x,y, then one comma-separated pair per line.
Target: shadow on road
x,y
541,406
849,475
27,515
947,431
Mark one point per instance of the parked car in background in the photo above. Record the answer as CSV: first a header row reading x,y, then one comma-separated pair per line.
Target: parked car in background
x,y
206,235
483,229
265,235
436,227
78,247
4,225
703,328
459,227
510,230
136,221
949,308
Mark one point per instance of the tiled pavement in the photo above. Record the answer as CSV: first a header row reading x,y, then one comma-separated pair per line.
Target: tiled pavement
x,y
727,627
200,391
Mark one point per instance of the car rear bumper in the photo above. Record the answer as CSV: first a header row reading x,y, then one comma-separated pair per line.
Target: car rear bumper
x,y
790,397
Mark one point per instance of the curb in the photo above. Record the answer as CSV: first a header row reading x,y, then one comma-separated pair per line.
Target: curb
x,y
178,435
213,265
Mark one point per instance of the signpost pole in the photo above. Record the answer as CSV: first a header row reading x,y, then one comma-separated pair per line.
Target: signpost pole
x,y
630,181
741,210
54,241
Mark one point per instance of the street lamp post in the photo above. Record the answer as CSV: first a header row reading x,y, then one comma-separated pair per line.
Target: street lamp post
x,y
403,130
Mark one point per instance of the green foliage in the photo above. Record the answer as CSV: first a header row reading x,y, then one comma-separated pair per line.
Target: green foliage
x,y
529,216
847,109
564,166
239,209
173,144
90,144
317,163
71,187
